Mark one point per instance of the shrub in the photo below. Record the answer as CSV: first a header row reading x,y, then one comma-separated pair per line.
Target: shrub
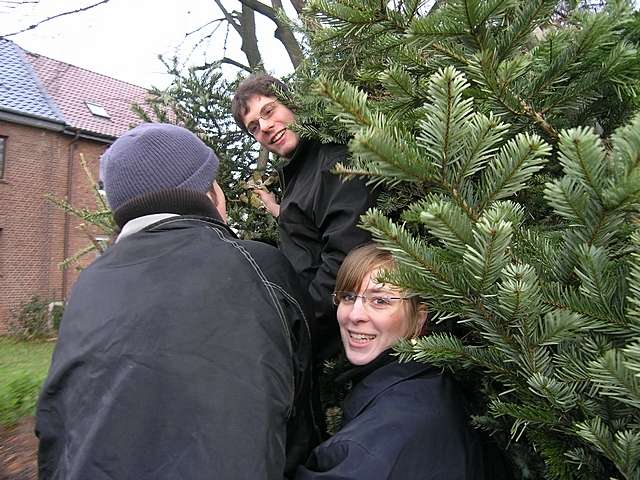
x,y
31,319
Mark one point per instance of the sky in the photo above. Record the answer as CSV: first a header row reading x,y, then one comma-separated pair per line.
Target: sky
x,y
123,38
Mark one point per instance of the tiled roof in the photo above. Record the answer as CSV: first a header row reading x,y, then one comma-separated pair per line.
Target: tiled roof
x,y
20,91
73,87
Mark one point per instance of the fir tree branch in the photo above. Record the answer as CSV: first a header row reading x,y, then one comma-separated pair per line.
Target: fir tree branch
x,y
75,258
570,200
486,258
353,111
387,155
449,52
446,222
485,133
595,271
445,122
597,434
558,394
633,280
514,165
613,378
582,157
408,250
519,295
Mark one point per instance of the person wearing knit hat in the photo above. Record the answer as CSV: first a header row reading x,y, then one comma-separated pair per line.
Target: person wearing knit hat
x,y
157,167
183,351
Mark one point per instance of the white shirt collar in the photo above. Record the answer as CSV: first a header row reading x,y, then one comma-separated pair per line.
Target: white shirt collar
x,y
137,224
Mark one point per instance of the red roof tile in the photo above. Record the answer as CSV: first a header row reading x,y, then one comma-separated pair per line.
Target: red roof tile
x,y
71,87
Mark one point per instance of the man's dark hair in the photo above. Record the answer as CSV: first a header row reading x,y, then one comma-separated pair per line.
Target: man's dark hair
x,y
260,84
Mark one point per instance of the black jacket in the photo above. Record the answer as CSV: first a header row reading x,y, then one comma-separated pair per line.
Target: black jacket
x,y
183,354
318,221
402,422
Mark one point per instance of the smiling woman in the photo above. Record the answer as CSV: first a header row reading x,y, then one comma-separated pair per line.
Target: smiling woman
x,y
383,316
401,420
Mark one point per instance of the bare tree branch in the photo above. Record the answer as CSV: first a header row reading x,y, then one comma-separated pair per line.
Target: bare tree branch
x,y
229,17
8,4
436,5
205,25
204,38
261,8
283,33
231,61
227,60
15,4
277,4
37,24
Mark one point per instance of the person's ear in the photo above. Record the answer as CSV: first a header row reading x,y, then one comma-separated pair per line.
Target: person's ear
x,y
423,314
216,195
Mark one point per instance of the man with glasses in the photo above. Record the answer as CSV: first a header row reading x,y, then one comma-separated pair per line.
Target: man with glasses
x,y
318,212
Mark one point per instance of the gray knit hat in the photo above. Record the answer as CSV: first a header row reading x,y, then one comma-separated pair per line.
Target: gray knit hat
x,y
154,157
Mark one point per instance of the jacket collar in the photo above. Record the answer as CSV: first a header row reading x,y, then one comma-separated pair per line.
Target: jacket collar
x,y
378,382
168,221
304,145
140,223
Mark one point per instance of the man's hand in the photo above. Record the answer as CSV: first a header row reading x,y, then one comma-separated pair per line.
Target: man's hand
x,y
269,201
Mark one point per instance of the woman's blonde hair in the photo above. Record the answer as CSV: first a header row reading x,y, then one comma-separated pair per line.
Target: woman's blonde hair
x,y
363,260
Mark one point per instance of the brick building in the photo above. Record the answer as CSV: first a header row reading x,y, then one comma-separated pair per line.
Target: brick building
x,y
50,114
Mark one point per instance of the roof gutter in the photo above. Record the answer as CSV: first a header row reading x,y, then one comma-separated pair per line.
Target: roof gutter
x,y
31,120
96,137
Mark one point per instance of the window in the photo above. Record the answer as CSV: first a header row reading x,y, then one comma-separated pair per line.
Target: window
x,y
3,143
97,110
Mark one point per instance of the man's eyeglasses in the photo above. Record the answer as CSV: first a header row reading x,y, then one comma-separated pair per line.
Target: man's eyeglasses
x,y
376,301
253,127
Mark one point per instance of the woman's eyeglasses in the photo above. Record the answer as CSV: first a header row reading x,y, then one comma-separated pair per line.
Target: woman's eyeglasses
x,y
376,301
253,127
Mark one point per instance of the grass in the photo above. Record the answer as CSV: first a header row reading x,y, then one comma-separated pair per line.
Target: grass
x,y
23,367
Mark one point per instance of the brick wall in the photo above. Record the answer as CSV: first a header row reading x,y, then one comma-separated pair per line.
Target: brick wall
x,y
33,231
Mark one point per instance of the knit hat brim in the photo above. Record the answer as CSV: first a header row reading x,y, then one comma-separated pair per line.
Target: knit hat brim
x,y
176,200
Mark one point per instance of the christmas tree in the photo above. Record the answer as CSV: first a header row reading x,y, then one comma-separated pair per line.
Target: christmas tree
x,y
509,129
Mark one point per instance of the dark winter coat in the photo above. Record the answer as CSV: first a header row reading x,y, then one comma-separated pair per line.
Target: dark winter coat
x,y
318,221
403,421
183,354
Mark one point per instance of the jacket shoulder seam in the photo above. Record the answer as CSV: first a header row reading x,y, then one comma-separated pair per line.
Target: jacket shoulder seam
x,y
293,300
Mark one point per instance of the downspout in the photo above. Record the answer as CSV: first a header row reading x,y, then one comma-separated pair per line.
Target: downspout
x,y
67,217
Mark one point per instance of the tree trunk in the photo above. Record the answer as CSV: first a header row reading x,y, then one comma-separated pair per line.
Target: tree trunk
x,y
283,33
298,5
263,159
249,39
